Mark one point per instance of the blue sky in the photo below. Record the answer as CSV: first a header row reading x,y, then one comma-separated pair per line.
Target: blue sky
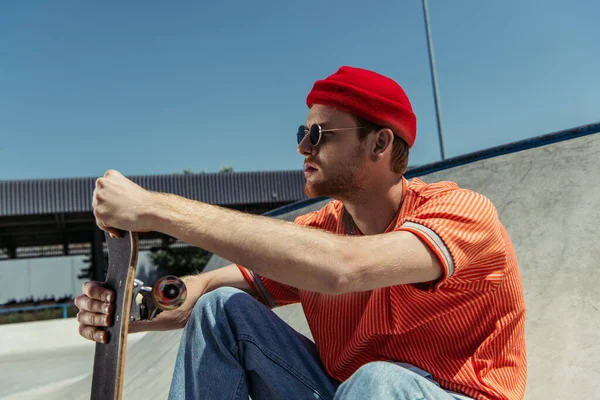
x,y
156,87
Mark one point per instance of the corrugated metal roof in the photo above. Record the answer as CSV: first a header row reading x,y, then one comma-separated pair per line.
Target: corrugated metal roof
x,y
45,196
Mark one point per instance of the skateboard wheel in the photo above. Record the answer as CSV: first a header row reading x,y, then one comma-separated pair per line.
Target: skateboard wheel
x,y
168,293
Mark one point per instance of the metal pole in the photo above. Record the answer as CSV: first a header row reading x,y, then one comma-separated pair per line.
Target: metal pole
x,y
434,80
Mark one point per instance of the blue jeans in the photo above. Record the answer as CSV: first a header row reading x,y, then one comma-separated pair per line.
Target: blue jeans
x,y
234,347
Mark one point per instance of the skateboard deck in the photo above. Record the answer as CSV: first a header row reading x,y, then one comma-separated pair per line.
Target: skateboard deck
x,y
109,358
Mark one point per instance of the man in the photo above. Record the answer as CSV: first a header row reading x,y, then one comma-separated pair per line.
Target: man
x,y
411,290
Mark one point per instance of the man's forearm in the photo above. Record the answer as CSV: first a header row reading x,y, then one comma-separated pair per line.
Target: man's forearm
x,y
279,250
229,275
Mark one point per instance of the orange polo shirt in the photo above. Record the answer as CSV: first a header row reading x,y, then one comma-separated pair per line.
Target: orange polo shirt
x,y
466,329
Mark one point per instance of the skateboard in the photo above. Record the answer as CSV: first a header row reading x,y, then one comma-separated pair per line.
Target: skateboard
x,y
133,301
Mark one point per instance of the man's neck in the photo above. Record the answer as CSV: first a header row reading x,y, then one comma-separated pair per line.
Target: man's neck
x,y
376,208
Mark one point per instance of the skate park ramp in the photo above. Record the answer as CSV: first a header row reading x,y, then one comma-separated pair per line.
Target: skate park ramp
x,y
547,192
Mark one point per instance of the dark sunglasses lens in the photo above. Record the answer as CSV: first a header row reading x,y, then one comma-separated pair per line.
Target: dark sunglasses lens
x,y
301,133
315,134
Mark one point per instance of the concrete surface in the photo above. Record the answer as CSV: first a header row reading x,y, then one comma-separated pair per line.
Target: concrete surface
x,y
42,357
548,199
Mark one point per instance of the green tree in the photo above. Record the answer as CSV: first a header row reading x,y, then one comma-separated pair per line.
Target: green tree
x,y
226,169
179,261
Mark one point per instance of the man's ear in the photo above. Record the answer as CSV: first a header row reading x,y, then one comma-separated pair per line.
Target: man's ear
x,y
383,141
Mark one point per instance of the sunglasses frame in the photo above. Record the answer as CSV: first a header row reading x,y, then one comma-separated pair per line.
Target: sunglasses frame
x,y
316,129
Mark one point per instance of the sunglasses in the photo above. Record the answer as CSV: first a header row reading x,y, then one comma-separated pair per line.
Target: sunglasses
x,y
316,132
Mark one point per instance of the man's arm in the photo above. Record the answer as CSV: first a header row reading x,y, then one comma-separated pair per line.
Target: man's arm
x,y
229,275
298,256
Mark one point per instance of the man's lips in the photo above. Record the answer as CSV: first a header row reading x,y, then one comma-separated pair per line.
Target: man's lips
x,y
309,168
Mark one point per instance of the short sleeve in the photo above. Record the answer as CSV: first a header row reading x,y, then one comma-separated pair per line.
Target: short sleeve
x,y
462,228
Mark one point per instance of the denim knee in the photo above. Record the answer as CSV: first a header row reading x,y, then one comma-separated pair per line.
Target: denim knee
x,y
213,303
216,297
372,372
380,379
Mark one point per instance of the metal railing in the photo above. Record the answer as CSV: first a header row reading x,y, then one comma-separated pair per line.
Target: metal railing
x,y
64,307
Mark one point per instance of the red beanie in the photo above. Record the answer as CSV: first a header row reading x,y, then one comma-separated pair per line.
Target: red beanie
x,y
368,95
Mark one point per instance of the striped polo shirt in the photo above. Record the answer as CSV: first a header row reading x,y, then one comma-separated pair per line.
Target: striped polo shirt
x,y
466,329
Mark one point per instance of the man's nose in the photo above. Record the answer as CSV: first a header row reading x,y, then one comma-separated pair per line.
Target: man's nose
x,y
305,148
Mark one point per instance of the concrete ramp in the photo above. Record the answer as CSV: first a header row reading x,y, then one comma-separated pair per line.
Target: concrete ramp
x,y
547,191
549,200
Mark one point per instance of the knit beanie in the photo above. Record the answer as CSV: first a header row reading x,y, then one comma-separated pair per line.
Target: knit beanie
x,y
368,95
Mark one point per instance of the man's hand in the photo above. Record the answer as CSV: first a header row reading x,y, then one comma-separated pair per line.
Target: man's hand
x,y
96,310
120,204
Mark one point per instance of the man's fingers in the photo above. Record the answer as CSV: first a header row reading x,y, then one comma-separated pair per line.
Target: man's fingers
x,y
97,291
114,233
86,303
94,334
93,319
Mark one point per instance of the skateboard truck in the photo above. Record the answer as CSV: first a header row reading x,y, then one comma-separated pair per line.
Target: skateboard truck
x,y
168,293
